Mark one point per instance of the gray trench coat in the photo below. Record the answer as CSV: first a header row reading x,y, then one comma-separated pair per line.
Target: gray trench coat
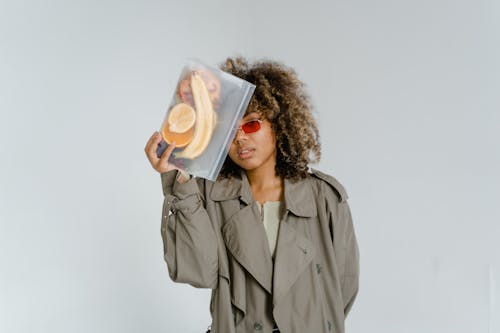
x,y
213,237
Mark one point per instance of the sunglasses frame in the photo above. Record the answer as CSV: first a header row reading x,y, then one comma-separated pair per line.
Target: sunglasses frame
x,y
252,120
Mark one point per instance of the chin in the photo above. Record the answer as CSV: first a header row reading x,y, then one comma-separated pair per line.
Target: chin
x,y
245,164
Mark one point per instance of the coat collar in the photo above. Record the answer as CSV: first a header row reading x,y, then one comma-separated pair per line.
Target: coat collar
x,y
298,195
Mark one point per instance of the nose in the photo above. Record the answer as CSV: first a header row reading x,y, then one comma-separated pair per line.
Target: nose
x,y
240,135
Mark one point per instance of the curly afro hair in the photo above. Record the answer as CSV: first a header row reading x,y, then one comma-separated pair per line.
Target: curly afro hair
x,y
280,98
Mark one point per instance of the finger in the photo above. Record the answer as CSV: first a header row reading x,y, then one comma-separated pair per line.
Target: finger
x,y
151,147
166,154
151,139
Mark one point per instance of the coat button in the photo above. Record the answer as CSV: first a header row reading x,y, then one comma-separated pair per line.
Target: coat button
x,y
257,326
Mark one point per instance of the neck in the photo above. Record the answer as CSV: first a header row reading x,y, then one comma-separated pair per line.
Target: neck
x,y
264,177
261,179
264,182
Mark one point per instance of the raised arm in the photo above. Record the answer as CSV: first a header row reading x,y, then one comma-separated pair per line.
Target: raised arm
x,y
189,240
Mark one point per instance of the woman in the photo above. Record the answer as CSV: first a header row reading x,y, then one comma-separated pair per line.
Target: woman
x,y
274,241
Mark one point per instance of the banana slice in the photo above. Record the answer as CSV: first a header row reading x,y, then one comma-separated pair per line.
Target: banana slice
x,y
205,119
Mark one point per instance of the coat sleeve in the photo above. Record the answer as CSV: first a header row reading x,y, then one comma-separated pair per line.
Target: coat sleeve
x,y
189,240
344,243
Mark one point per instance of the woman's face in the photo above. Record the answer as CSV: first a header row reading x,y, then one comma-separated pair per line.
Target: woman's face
x,y
251,151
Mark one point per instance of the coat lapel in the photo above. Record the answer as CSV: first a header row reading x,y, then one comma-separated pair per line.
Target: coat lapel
x,y
245,238
294,252
293,255
244,233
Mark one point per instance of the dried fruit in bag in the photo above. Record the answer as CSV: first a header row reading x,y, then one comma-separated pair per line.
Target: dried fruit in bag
x,y
179,125
212,84
181,118
181,139
205,118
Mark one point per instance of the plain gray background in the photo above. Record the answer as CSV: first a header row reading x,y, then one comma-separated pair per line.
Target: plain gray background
x,y
406,95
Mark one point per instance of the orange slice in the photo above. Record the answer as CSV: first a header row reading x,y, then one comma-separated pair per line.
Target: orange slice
x,y
181,139
175,120
181,118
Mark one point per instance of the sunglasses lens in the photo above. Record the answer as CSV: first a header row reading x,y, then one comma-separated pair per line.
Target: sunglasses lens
x,y
251,126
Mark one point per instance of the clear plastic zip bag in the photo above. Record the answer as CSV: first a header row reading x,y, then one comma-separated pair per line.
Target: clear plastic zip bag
x,y
203,117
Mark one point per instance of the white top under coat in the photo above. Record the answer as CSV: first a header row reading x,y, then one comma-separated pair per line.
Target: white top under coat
x,y
270,217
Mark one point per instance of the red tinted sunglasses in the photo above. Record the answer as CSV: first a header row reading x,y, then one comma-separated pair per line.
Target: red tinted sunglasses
x,y
251,126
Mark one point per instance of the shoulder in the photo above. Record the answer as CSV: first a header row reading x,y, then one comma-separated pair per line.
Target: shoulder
x,y
329,181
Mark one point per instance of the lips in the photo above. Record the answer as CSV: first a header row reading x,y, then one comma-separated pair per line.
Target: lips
x,y
245,152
